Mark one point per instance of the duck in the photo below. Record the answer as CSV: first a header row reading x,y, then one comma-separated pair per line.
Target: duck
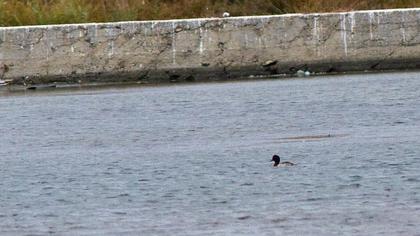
x,y
277,162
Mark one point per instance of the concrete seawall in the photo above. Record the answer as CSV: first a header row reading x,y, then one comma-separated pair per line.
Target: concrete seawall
x,y
212,48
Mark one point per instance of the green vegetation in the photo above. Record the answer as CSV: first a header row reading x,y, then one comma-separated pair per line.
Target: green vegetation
x,y
30,12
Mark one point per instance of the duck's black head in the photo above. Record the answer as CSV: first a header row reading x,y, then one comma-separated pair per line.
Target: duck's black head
x,y
276,160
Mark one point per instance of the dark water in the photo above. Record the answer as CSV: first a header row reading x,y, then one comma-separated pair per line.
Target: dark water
x,y
194,159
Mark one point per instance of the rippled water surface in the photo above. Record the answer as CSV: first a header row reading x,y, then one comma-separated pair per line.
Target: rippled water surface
x,y
194,159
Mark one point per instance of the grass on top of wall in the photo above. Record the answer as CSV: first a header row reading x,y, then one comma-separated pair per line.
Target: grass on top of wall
x,y
34,12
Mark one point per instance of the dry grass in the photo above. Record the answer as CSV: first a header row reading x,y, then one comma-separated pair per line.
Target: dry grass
x,y
29,12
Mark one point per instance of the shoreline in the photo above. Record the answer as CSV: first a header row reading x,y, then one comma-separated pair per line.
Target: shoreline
x,y
63,87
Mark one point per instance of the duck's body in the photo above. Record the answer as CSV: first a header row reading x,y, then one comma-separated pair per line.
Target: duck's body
x,y
284,164
277,162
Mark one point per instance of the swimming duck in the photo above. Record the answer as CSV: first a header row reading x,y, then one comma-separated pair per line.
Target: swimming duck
x,y
277,162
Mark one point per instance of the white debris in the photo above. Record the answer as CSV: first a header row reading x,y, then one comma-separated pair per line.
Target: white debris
x,y
302,73
4,82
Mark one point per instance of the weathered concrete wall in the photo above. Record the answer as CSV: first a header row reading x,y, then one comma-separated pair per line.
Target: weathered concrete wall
x,y
209,49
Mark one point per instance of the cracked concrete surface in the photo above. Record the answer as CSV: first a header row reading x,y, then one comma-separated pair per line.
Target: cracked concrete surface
x,y
211,49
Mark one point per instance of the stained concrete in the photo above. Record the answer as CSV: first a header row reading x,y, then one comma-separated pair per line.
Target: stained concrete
x,y
212,48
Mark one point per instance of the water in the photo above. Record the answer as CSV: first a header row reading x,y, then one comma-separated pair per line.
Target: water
x,y
194,159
